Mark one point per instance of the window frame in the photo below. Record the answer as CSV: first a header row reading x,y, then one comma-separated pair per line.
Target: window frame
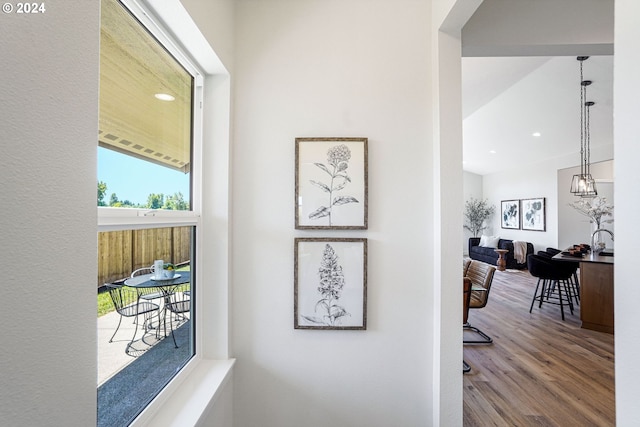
x,y
109,217
114,219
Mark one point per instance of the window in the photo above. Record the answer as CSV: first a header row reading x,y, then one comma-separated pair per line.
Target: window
x,y
145,124
149,201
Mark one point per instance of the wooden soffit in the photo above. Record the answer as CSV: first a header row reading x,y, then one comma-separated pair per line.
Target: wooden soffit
x,y
134,67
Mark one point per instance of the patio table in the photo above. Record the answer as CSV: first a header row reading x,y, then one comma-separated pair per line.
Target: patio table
x,y
166,286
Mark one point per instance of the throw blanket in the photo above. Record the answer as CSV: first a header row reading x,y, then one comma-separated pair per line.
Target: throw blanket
x,y
520,251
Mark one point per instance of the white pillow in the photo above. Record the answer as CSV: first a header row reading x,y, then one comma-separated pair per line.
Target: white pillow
x,y
489,241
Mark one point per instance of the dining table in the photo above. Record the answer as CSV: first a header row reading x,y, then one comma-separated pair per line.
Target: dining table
x,y
166,286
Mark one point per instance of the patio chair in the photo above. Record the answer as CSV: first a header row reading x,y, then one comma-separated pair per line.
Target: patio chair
x,y
128,304
177,303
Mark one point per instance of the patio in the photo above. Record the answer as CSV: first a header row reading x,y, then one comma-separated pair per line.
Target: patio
x,y
112,356
126,383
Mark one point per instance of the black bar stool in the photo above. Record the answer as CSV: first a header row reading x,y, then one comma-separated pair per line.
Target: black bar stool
x,y
574,277
554,276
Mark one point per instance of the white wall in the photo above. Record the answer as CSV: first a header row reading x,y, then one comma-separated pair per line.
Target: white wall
x,y
564,225
627,153
385,370
215,20
332,68
525,183
552,179
573,227
49,122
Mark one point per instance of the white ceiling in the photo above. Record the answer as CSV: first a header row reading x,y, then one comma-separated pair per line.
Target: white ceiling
x,y
507,99
520,75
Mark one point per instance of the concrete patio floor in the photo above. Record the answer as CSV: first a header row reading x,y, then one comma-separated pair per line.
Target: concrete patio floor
x,y
127,383
112,356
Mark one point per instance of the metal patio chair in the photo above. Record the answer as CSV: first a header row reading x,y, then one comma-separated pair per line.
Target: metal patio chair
x,y
177,304
128,304
149,294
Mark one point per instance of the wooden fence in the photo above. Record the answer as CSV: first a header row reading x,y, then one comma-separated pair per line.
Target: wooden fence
x,y
121,252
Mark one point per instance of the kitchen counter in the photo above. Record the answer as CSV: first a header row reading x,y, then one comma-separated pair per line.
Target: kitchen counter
x,y
596,290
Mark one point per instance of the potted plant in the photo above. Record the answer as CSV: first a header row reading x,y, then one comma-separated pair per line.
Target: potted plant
x,y
476,212
169,270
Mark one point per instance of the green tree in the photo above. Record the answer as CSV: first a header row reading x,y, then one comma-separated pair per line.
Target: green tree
x,y
102,191
114,202
175,202
155,201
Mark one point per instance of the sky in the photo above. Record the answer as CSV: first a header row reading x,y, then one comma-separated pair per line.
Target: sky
x,y
134,179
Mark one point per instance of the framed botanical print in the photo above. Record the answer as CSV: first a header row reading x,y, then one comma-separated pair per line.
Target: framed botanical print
x,y
510,214
330,283
533,214
331,183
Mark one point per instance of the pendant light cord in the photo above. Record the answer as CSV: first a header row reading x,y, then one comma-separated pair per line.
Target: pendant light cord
x,y
588,137
582,114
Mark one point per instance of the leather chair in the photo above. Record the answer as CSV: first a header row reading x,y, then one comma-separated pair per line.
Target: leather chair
x,y
481,276
466,298
465,266
554,276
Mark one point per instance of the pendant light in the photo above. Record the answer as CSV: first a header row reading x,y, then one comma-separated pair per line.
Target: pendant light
x,y
583,184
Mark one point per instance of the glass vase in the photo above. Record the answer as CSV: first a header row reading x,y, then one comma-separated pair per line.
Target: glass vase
x,y
597,241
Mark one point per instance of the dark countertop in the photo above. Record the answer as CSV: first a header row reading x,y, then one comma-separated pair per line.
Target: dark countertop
x,y
588,257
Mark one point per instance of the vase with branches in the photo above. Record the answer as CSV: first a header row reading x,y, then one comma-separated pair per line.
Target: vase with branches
x,y
476,212
596,209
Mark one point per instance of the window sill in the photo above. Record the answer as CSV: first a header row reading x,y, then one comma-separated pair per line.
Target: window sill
x,y
185,403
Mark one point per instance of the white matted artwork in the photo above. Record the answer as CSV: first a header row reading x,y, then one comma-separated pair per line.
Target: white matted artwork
x,y
533,214
330,283
510,214
331,183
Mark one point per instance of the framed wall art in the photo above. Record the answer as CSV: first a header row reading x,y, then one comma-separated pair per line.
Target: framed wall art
x,y
331,184
330,283
510,214
533,214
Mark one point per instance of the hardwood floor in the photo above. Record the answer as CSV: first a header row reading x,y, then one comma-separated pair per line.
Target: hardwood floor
x,y
540,370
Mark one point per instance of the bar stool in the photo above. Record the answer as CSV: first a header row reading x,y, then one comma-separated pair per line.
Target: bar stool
x,y
554,276
574,278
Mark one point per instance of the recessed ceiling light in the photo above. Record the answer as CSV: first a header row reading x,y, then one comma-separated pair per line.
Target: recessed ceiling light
x,y
536,134
164,97
492,151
